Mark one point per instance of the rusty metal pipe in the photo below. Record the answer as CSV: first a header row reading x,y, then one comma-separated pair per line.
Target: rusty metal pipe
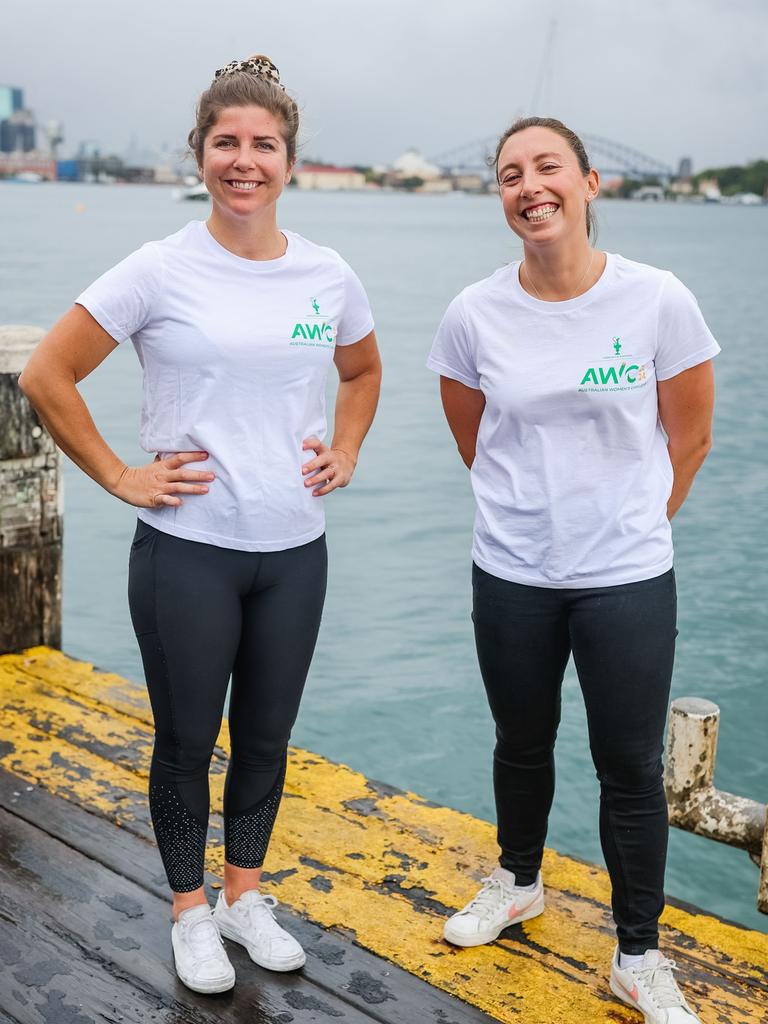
x,y
695,804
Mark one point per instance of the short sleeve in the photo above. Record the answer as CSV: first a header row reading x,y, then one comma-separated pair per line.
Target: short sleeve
x,y
356,319
684,340
120,301
451,354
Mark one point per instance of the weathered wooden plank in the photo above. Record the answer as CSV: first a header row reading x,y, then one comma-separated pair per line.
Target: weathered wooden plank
x,y
334,963
47,977
70,903
388,866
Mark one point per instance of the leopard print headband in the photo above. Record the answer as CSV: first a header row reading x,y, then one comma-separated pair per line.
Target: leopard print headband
x,y
261,67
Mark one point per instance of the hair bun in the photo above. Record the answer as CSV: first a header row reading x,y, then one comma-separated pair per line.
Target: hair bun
x,y
262,57
257,65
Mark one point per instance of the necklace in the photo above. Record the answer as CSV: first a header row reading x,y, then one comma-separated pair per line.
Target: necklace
x,y
580,282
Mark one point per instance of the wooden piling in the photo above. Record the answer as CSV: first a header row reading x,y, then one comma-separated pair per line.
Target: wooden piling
x,y
31,521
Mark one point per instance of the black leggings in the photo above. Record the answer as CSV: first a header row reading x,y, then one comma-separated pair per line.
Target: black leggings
x,y
623,641
202,613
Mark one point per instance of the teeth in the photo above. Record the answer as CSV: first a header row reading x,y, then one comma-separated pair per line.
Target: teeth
x,y
541,213
245,185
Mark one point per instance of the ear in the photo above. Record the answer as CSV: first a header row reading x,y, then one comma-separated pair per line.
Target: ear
x,y
289,172
593,185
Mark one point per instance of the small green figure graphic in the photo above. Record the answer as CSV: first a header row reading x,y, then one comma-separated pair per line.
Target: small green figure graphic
x,y
616,346
315,306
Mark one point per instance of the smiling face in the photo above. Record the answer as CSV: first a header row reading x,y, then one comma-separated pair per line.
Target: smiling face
x,y
543,189
245,161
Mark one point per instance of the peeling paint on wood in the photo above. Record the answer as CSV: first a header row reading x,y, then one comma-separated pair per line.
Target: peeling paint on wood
x,y
395,872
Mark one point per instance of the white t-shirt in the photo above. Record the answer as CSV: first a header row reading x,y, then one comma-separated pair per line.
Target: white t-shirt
x,y
235,355
572,473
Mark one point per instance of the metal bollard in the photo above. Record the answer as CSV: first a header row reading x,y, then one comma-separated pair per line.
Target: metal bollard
x,y
695,805
31,520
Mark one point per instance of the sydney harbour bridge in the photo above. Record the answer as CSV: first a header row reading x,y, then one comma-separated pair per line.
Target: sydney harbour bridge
x,y
612,159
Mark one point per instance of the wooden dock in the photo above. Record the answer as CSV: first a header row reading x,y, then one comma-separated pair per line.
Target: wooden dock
x,y
365,875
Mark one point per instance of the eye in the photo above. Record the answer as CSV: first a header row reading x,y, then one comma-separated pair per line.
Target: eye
x,y
222,143
510,179
550,167
266,145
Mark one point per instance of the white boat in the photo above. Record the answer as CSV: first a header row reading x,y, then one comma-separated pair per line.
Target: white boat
x,y
197,192
28,178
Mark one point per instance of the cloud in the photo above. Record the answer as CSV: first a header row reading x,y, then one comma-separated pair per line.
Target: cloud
x,y
669,79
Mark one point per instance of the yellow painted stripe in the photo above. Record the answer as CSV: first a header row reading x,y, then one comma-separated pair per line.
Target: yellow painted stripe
x,y
382,865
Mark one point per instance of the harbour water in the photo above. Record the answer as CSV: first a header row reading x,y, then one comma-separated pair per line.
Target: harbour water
x,y
394,689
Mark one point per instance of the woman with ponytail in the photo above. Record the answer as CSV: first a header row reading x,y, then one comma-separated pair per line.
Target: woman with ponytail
x,y
578,385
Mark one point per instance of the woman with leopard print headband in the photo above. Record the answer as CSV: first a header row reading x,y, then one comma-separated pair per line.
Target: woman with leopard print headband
x,y
236,323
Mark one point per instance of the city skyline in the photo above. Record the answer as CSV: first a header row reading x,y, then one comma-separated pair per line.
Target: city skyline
x,y
682,81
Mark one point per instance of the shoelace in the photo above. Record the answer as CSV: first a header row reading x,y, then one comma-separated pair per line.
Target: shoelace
x,y
487,900
661,984
253,901
204,940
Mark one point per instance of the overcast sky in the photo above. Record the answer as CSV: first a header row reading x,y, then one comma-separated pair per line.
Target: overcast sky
x,y
668,77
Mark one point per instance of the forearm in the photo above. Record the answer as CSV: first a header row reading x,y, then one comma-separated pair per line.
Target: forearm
x,y
61,408
356,402
463,407
686,461
467,445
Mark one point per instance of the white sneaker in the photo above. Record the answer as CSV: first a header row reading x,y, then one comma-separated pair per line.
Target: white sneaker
x,y
251,922
198,952
499,904
650,988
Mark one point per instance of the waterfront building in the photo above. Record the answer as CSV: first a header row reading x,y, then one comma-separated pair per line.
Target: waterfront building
x,y
655,193
685,170
413,165
611,186
17,125
436,185
11,99
328,177
681,187
39,165
710,189
469,182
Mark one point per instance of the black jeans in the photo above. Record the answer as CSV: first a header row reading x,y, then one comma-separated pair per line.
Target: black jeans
x,y
201,613
623,642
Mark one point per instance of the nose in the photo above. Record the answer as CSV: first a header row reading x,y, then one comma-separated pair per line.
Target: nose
x,y
529,184
244,157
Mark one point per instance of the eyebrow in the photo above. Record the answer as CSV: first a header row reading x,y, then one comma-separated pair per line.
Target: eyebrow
x,y
257,138
541,156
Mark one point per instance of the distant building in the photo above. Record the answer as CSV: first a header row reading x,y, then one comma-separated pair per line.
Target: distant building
x,y
469,182
68,170
611,186
329,178
710,189
437,185
14,164
685,170
17,125
11,99
655,193
413,165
